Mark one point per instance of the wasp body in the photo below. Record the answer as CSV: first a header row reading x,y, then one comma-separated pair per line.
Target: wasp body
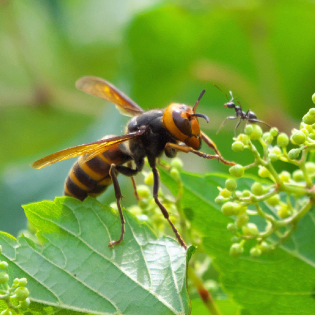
x,y
148,135
91,178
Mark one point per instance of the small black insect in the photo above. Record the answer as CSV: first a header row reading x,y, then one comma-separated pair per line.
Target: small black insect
x,y
249,116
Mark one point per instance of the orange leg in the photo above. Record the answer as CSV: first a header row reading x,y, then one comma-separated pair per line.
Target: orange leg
x,y
212,145
187,149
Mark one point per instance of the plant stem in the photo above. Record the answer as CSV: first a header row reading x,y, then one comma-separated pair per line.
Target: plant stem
x,y
203,292
298,216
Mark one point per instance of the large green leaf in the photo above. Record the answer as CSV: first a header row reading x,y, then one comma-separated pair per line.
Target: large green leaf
x,y
74,268
279,283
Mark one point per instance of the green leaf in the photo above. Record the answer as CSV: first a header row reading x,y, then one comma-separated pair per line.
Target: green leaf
x,y
227,307
74,269
279,283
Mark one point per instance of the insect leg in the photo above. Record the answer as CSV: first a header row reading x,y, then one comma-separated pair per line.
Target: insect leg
x,y
212,145
237,126
258,121
230,118
133,183
114,170
187,149
162,208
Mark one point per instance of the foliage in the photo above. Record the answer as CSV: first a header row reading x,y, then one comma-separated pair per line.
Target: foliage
x,y
15,296
75,269
158,52
283,200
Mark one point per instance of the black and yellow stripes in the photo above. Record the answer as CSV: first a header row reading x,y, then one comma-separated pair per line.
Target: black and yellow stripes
x,y
91,178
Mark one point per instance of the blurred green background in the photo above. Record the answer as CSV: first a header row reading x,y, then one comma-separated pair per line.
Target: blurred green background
x,y
156,52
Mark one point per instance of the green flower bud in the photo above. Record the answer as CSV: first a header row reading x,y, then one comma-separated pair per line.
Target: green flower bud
x,y
3,265
257,133
257,189
309,128
21,293
266,248
177,163
220,200
6,312
237,146
267,137
4,277
274,200
308,119
149,179
174,172
284,211
298,176
313,98
225,193
237,170
232,228
298,137
305,131
16,282
285,176
274,131
276,150
273,157
230,208
250,229
246,193
294,154
255,252
230,184
139,213
25,304
211,286
310,168
238,193
312,136
282,140
235,239
244,139
143,203
263,172
242,208
22,282
143,191
236,250
242,219
248,129
312,111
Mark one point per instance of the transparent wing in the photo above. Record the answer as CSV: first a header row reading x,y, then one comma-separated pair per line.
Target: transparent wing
x,y
105,90
92,149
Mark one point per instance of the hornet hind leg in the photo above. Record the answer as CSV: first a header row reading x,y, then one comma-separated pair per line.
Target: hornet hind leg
x,y
127,171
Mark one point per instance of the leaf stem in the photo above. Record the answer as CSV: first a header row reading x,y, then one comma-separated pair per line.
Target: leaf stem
x,y
203,292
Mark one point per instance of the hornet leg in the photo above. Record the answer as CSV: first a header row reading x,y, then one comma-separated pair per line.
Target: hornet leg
x,y
187,149
212,145
162,208
127,171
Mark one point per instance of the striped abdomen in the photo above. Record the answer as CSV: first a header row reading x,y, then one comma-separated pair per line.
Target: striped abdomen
x,y
91,178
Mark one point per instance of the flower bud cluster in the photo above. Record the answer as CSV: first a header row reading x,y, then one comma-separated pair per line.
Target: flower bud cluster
x,y
16,296
287,195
